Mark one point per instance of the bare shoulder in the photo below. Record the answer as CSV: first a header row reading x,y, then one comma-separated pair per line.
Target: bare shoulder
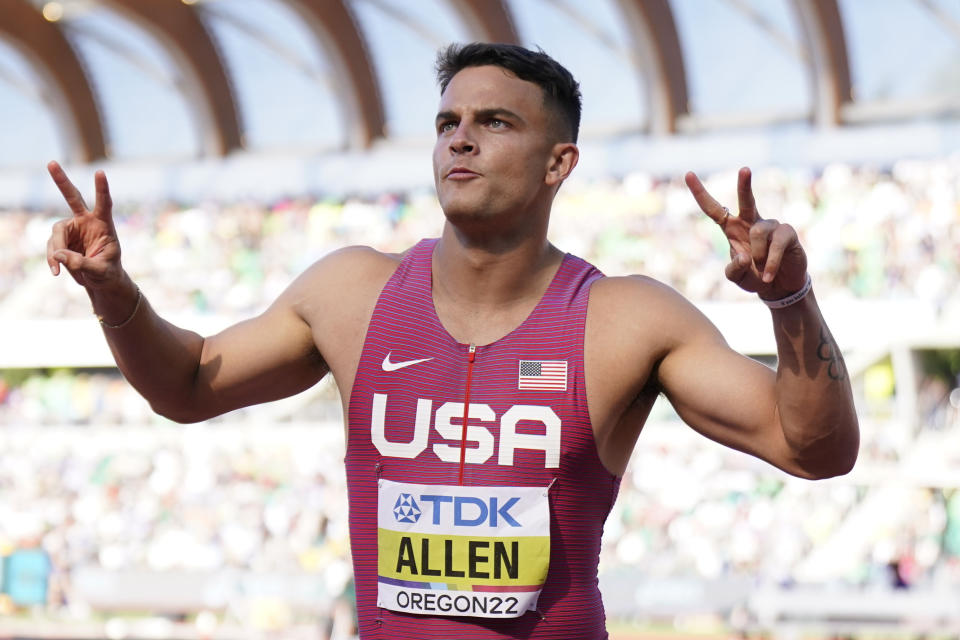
x,y
350,274
641,308
355,262
634,286
335,297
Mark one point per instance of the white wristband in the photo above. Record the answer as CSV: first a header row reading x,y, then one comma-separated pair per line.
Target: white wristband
x,y
793,298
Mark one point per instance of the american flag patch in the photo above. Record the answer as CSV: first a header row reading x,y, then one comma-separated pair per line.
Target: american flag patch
x,y
542,375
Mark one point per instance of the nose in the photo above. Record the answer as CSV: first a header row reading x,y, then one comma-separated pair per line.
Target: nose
x,y
462,141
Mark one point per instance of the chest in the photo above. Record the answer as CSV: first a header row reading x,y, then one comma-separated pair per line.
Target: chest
x,y
481,326
502,402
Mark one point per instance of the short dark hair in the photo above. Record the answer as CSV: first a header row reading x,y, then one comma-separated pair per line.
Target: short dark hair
x,y
561,91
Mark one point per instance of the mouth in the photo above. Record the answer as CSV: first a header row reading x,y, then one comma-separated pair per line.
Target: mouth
x,y
461,173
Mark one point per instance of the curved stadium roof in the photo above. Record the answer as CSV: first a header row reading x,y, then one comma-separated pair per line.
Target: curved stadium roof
x,y
193,80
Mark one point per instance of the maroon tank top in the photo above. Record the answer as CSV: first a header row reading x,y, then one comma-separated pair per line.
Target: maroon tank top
x,y
527,398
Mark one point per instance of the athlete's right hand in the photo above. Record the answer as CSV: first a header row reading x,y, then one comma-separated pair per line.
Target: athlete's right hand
x,y
86,243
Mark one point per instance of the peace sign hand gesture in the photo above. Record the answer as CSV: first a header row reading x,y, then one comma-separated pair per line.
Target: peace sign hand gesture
x,y
765,256
86,243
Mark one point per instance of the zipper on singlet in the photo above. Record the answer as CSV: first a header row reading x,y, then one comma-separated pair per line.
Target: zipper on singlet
x,y
471,356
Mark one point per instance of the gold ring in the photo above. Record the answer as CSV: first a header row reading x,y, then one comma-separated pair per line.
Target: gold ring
x,y
723,220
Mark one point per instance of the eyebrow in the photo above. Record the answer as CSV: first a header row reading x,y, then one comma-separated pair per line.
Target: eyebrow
x,y
481,114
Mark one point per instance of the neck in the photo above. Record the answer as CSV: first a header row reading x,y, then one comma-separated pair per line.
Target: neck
x,y
491,273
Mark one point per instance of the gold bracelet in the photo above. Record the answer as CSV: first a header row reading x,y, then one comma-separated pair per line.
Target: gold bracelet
x,y
136,307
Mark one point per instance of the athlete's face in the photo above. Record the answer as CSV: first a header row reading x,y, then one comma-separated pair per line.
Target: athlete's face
x,y
495,147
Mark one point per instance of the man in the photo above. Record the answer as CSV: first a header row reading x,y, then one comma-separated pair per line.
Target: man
x,y
493,387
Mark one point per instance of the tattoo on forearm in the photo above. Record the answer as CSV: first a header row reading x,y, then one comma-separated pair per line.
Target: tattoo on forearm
x,y
828,352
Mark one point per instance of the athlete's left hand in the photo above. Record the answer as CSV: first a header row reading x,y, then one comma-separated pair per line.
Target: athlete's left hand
x,y
765,256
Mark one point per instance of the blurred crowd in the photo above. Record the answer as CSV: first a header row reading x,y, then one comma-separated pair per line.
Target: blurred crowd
x,y
868,233
165,499
690,508
116,487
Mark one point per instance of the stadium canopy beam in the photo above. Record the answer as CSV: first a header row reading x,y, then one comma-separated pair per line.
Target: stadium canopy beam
x,y
487,20
822,28
178,28
656,49
355,83
73,104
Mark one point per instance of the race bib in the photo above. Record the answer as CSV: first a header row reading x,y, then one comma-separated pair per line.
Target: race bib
x,y
461,551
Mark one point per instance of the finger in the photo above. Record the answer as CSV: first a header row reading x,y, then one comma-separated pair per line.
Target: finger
x,y
73,261
56,241
737,268
748,206
104,203
705,201
760,240
70,193
783,236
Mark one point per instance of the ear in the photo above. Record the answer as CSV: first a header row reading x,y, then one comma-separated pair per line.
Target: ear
x,y
563,158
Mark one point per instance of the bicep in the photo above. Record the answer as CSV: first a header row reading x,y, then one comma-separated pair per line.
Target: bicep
x,y
265,358
294,343
722,394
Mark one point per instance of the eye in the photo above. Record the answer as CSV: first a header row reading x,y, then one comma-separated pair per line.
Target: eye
x,y
445,127
497,123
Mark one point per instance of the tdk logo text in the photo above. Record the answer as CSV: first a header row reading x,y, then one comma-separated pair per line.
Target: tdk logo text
x,y
469,511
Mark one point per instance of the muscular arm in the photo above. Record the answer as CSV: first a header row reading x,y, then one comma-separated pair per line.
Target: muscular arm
x,y
800,418
803,419
646,337
316,324
188,378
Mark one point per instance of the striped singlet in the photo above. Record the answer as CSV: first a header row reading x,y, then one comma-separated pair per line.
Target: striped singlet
x,y
410,372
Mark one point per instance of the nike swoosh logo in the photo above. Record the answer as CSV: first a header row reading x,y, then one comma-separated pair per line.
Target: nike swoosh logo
x,y
393,366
